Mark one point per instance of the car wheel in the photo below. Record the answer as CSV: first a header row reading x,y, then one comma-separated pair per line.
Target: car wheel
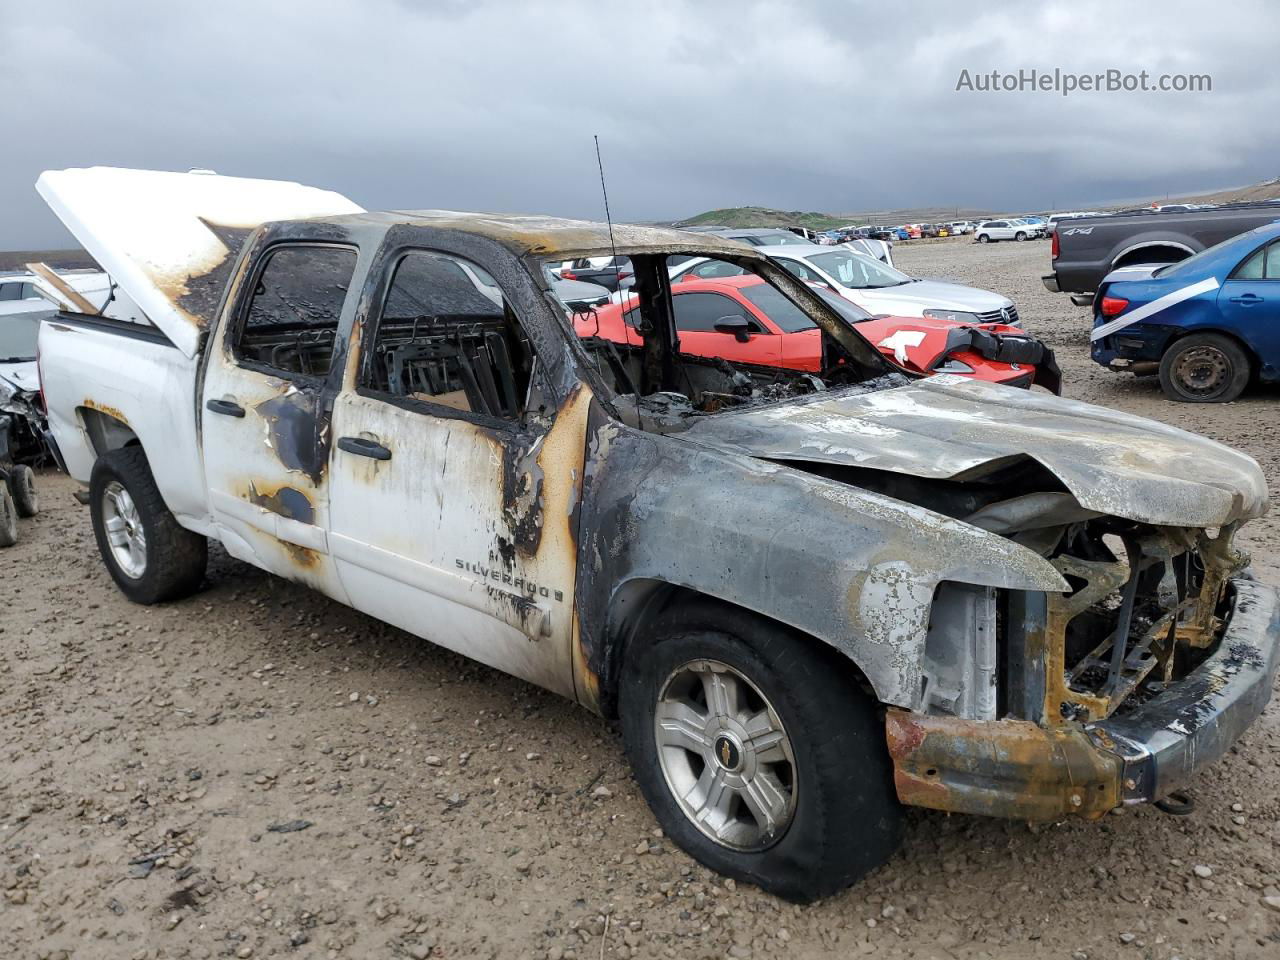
x,y
1019,236
758,754
983,238
22,484
149,555
8,518
1204,368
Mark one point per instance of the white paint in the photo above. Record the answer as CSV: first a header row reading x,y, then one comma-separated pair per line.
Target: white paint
x,y
1155,306
901,341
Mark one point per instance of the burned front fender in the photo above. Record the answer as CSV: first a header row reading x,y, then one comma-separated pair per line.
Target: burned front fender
x,y
855,569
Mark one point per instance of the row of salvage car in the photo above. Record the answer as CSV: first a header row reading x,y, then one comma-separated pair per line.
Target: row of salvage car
x,y
26,299
811,589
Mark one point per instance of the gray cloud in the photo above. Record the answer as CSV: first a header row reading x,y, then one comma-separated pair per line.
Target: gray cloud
x,y
491,105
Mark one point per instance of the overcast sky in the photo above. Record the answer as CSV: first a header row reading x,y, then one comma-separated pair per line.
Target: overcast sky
x,y
491,104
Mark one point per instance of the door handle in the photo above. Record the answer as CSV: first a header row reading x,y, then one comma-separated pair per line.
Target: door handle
x,y
1247,300
228,408
364,448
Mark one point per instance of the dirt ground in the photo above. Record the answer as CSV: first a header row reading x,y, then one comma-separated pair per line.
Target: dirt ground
x,y
259,772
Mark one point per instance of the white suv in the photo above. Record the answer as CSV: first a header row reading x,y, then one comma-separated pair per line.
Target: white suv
x,y
990,230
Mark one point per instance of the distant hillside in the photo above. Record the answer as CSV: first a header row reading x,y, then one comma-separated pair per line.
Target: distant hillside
x,y
763,217
768,217
1267,190
16,260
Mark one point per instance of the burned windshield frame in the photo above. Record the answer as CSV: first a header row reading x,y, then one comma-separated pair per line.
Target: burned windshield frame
x,y
651,298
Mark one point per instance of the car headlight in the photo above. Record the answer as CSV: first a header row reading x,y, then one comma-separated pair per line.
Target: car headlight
x,y
955,316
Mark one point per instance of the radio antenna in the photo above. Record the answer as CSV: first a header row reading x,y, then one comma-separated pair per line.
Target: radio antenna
x,y
607,218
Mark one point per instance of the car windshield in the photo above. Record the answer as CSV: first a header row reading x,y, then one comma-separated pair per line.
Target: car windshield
x,y
849,311
774,305
859,273
18,336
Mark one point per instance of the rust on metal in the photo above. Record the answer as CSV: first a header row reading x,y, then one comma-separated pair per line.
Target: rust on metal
x,y
1007,768
106,409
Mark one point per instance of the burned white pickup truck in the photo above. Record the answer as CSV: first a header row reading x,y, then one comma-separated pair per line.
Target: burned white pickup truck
x,y
808,597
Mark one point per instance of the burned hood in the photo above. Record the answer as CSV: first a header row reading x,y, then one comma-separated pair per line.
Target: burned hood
x,y
949,427
170,239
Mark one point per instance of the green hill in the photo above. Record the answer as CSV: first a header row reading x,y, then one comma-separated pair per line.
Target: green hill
x,y
764,217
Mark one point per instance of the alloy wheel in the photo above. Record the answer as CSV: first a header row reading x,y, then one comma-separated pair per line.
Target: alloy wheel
x,y
124,529
725,755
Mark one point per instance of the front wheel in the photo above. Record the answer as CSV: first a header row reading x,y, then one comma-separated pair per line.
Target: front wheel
x,y
1019,236
151,557
758,754
1204,368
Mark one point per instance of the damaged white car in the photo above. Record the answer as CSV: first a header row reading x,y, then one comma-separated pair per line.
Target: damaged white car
x,y
810,598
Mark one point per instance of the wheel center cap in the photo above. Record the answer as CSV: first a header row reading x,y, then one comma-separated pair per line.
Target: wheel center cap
x,y
728,752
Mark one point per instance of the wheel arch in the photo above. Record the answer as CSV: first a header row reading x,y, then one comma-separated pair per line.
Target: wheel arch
x,y
1181,333
107,430
1142,251
640,602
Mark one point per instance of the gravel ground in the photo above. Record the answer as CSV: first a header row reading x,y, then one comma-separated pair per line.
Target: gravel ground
x,y
259,772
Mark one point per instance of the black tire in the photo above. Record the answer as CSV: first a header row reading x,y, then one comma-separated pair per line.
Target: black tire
x,y
8,518
174,559
846,818
983,238
1204,368
1019,236
22,484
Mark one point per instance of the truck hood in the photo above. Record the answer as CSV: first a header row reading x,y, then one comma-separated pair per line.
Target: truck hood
x,y
952,427
170,239
909,299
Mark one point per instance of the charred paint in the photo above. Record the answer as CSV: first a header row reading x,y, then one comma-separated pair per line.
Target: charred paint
x,y
298,430
200,292
522,507
286,501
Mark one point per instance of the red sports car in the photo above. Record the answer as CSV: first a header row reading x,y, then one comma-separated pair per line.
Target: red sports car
x,y
745,320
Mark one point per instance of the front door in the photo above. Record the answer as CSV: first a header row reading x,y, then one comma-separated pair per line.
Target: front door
x,y
264,411
1249,303
454,478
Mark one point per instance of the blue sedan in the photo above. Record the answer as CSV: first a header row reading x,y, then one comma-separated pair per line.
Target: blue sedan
x,y
1208,324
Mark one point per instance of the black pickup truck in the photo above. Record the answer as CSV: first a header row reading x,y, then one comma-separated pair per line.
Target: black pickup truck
x,y
1086,249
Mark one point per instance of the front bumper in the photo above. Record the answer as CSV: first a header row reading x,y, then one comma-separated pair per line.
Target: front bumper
x,y
1019,770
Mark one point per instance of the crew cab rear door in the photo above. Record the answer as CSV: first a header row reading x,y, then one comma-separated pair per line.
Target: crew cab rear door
x,y
455,475
271,375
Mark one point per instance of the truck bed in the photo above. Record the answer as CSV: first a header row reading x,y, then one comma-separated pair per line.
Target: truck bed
x,y
111,383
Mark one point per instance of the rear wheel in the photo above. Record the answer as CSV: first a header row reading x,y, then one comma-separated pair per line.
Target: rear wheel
x,y
8,518
22,484
757,753
1019,236
1204,368
151,557
983,238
